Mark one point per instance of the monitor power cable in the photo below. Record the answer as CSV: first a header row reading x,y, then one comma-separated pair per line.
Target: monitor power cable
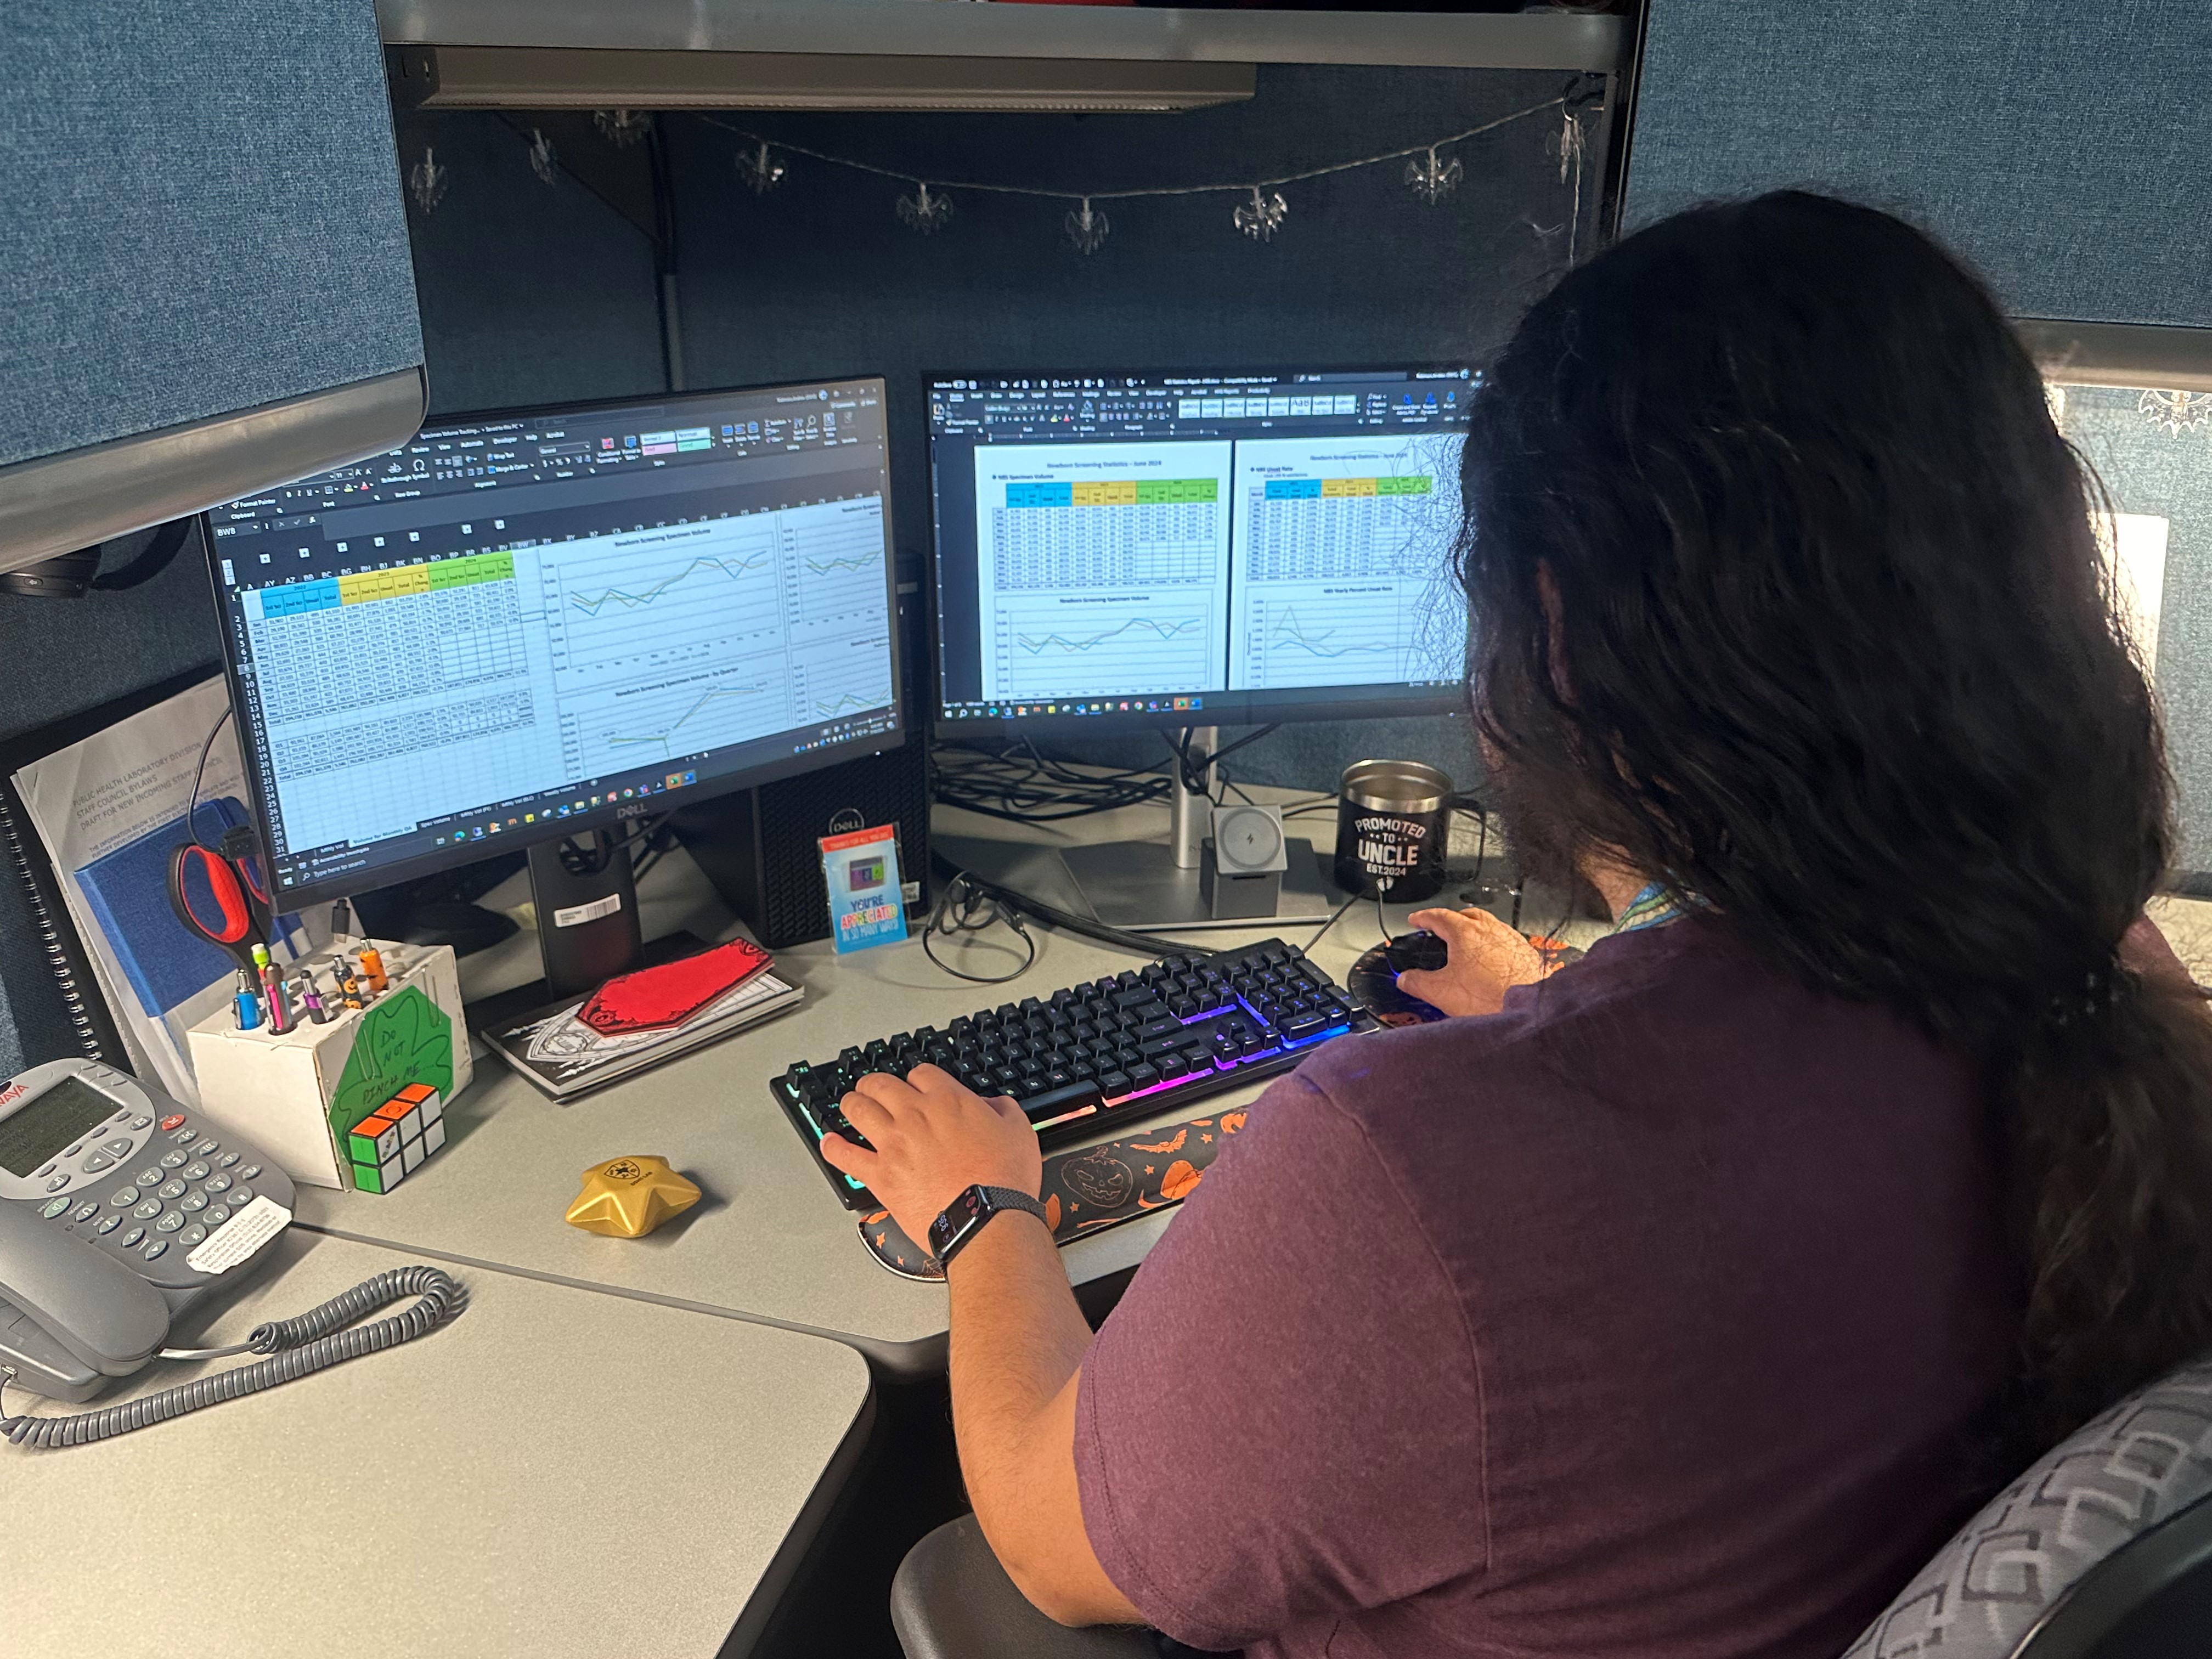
x,y
966,906
1066,921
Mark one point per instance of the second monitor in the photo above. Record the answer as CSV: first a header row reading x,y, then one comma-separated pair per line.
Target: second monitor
x,y
1197,549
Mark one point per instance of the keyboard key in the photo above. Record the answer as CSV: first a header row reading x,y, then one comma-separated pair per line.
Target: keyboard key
x,y
1064,1103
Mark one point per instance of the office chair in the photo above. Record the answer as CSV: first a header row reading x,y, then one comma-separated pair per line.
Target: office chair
x,y
2101,1550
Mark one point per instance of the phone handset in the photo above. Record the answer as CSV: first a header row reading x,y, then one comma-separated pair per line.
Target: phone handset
x,y
105,1315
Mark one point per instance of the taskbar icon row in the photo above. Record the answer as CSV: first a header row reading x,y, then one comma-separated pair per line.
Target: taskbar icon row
x,y
1000,711
556,810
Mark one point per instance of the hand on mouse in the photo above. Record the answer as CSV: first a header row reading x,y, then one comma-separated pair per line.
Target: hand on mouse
x,y
1487,957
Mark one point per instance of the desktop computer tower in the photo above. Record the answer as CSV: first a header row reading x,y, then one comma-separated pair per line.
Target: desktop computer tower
x,y
757,846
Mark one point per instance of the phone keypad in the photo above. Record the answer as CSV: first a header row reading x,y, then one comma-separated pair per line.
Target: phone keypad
x,y
183,1196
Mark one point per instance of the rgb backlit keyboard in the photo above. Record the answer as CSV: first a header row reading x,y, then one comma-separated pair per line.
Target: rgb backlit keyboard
x,y
1143,1042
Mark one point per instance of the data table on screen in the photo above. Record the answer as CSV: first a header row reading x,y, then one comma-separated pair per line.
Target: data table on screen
x,y
506,673
1105,565
1341,560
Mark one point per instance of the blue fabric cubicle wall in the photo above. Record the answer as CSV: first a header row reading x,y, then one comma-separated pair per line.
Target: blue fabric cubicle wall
x,y
2061,147
201,214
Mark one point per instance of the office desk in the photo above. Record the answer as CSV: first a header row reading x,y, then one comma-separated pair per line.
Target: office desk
x,y
555,1473
769,1242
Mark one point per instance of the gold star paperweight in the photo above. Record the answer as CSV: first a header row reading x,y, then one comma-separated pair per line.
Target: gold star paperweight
x,y
628,1197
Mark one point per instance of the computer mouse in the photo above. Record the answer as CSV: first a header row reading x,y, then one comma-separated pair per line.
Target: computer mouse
x,y
1422,950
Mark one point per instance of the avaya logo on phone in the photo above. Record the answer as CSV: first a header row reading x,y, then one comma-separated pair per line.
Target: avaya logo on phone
x,y
13,1091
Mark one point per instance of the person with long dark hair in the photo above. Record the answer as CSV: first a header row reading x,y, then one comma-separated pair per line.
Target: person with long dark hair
x,y
1679,1304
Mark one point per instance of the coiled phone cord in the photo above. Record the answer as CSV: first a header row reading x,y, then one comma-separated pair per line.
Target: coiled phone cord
x,y
298,1347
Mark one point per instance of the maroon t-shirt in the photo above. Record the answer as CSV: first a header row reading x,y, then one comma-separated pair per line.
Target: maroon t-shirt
x,y
1651,1316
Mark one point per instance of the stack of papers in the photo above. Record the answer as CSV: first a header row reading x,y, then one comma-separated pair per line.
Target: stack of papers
x,y
564,1057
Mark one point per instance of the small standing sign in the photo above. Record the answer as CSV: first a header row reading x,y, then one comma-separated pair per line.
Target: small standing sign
x,y
866,905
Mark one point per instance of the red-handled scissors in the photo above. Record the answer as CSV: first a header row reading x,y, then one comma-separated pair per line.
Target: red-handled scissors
x,y
220,899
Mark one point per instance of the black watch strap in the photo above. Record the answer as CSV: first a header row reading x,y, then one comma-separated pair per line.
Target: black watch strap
x,y
966,1215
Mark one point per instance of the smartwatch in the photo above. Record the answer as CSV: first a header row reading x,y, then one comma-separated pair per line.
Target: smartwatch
x,y
965,1218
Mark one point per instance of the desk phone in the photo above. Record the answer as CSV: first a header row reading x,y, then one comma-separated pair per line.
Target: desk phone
x,y
120,1209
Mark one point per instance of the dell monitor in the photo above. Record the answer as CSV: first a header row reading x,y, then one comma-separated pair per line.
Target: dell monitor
x,y
1195,549
525,627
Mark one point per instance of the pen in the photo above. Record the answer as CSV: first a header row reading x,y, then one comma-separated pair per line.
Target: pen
x,y
314,1000
349,988
371,968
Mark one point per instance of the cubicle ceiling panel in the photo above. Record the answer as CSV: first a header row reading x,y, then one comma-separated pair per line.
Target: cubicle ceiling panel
x,y
201,213
2061,147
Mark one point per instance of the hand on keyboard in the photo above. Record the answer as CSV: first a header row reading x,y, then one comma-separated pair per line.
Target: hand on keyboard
x,y
1142,1042
928,1139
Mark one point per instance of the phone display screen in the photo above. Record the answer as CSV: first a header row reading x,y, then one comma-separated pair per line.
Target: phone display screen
x,y
65,1112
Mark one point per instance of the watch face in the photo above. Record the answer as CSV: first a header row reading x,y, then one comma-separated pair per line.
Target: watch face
x,y
957,1221
1248,839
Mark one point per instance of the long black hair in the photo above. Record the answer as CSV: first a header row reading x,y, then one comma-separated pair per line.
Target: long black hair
x,y
1786,592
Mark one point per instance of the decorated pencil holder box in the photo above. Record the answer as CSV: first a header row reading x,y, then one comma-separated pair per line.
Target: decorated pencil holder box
x,y
368,1030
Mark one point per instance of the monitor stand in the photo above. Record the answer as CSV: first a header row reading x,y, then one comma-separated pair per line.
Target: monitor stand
x,y
590,948
1149,886
585,891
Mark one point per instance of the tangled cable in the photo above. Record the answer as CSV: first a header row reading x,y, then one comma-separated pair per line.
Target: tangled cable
x,y
300,1347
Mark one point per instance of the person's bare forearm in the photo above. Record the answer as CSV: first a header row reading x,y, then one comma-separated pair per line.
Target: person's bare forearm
x,y
1017,1336
1017,1341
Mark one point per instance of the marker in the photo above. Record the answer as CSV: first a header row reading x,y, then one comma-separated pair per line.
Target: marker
x,y
280,1001
371,968
249,1005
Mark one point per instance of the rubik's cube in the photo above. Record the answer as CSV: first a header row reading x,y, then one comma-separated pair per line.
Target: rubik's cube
x,y
390,1143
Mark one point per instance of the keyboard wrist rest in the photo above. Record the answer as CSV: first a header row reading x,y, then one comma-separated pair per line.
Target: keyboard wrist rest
x,y
1088,1191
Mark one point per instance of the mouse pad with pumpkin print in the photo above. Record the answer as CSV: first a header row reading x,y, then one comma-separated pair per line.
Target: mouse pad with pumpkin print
x,y
1089,1191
